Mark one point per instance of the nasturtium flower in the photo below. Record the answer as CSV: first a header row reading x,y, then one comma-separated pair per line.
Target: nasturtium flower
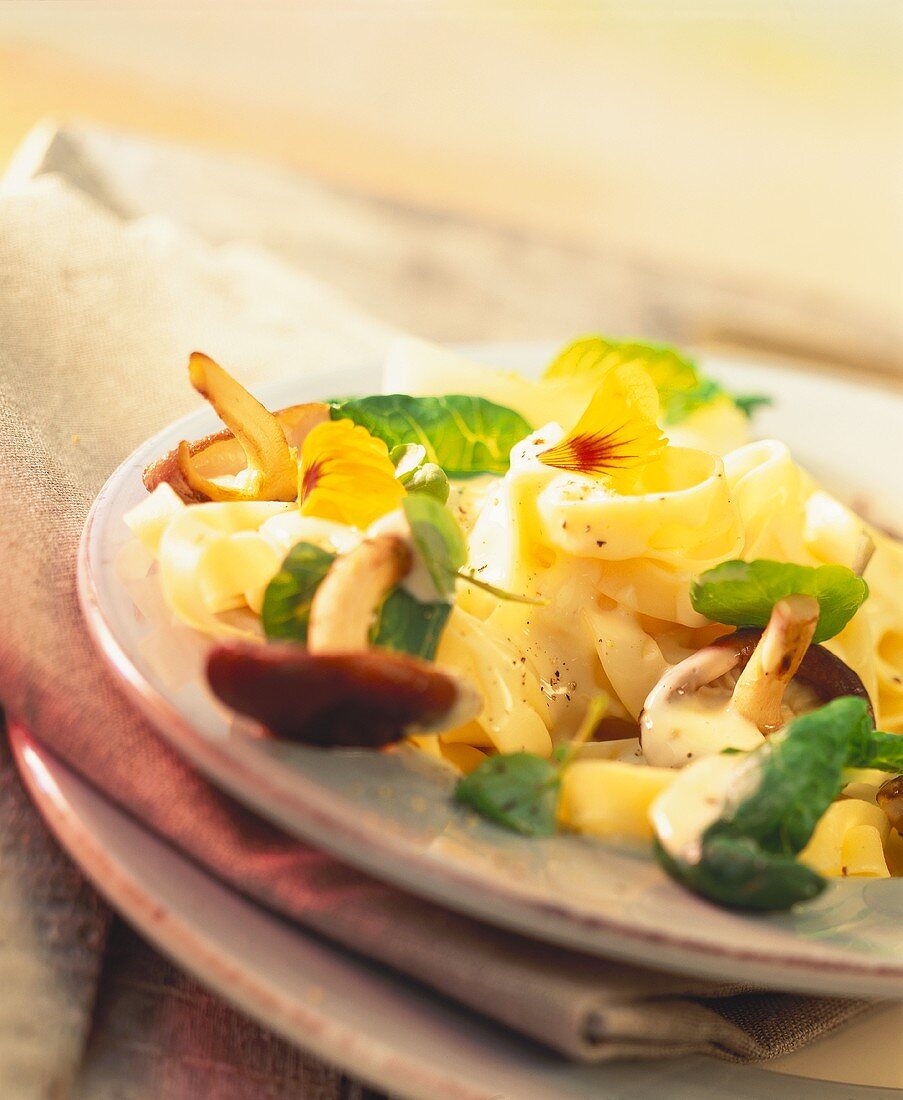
x,y
618,433
345,474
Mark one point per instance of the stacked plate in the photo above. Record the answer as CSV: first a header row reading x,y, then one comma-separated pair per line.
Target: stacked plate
x,y
601,899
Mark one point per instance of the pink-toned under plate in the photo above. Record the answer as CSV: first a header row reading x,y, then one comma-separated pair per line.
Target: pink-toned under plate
x,y
379,1027
391,814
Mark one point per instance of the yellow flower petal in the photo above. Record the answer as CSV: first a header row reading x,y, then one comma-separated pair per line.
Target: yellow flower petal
x,y
346,475
618,433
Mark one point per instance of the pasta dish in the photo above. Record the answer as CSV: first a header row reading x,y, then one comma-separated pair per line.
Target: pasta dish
x,y
594,596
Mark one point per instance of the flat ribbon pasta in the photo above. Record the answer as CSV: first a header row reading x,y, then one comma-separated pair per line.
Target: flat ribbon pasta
x,y
210,555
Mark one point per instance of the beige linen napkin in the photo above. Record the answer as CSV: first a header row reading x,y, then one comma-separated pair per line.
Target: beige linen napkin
x,y
96,319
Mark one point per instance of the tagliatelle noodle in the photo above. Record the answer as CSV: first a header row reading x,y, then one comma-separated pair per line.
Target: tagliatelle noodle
x,y
513,704
289,528
840,845
884,613
148,520
610,798
630,657
200,561
680,512
872,643
767,488
573,541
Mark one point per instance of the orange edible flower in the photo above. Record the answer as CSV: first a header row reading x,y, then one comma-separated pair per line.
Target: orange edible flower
x,y
618,433
346,475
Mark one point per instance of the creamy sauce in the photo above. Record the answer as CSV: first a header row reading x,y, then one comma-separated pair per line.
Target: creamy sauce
x,y
678,729
694,801
698,798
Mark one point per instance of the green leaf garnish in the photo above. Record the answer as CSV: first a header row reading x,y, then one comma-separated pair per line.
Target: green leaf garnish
x,y
750,403
464,435
743,593
518,790
437,539
682,388
405,625
746,858
875,749
286,603
586,355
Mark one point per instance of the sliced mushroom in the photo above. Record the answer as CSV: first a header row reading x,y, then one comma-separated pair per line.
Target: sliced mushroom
x,y
350,594
272,472
256,441
338,691
218,455
367,699
890,799
734,692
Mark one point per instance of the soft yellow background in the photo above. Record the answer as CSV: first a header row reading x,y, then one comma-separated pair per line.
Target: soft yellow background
x,y
759,144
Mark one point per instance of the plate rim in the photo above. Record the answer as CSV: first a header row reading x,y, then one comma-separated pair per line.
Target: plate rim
x,y
197,950
390,859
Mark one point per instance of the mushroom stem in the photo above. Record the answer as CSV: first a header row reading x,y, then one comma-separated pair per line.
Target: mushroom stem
x,y
343,608
864,553
760,689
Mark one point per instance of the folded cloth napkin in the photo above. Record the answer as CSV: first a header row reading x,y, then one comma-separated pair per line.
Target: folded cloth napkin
x,y
97,316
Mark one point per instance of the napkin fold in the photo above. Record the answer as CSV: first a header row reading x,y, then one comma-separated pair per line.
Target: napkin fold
x,y
97,317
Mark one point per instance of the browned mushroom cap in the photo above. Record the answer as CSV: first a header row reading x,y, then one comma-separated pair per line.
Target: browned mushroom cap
x,y
367,699
826,676
693,709
221,453
890,799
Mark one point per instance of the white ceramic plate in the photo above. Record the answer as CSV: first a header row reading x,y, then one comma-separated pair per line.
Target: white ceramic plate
x,y
391,814
391,1033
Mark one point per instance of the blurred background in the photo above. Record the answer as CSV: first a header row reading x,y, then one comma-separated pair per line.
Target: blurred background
x,y
726,173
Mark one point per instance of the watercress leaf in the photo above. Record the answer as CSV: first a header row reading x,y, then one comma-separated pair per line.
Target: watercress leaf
x,y
772,801
875,749
465,435
594,355
736,873
800,773
518,790
437,539
405,625
677,404
744,593
750,403
682,388
286,603
429,479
